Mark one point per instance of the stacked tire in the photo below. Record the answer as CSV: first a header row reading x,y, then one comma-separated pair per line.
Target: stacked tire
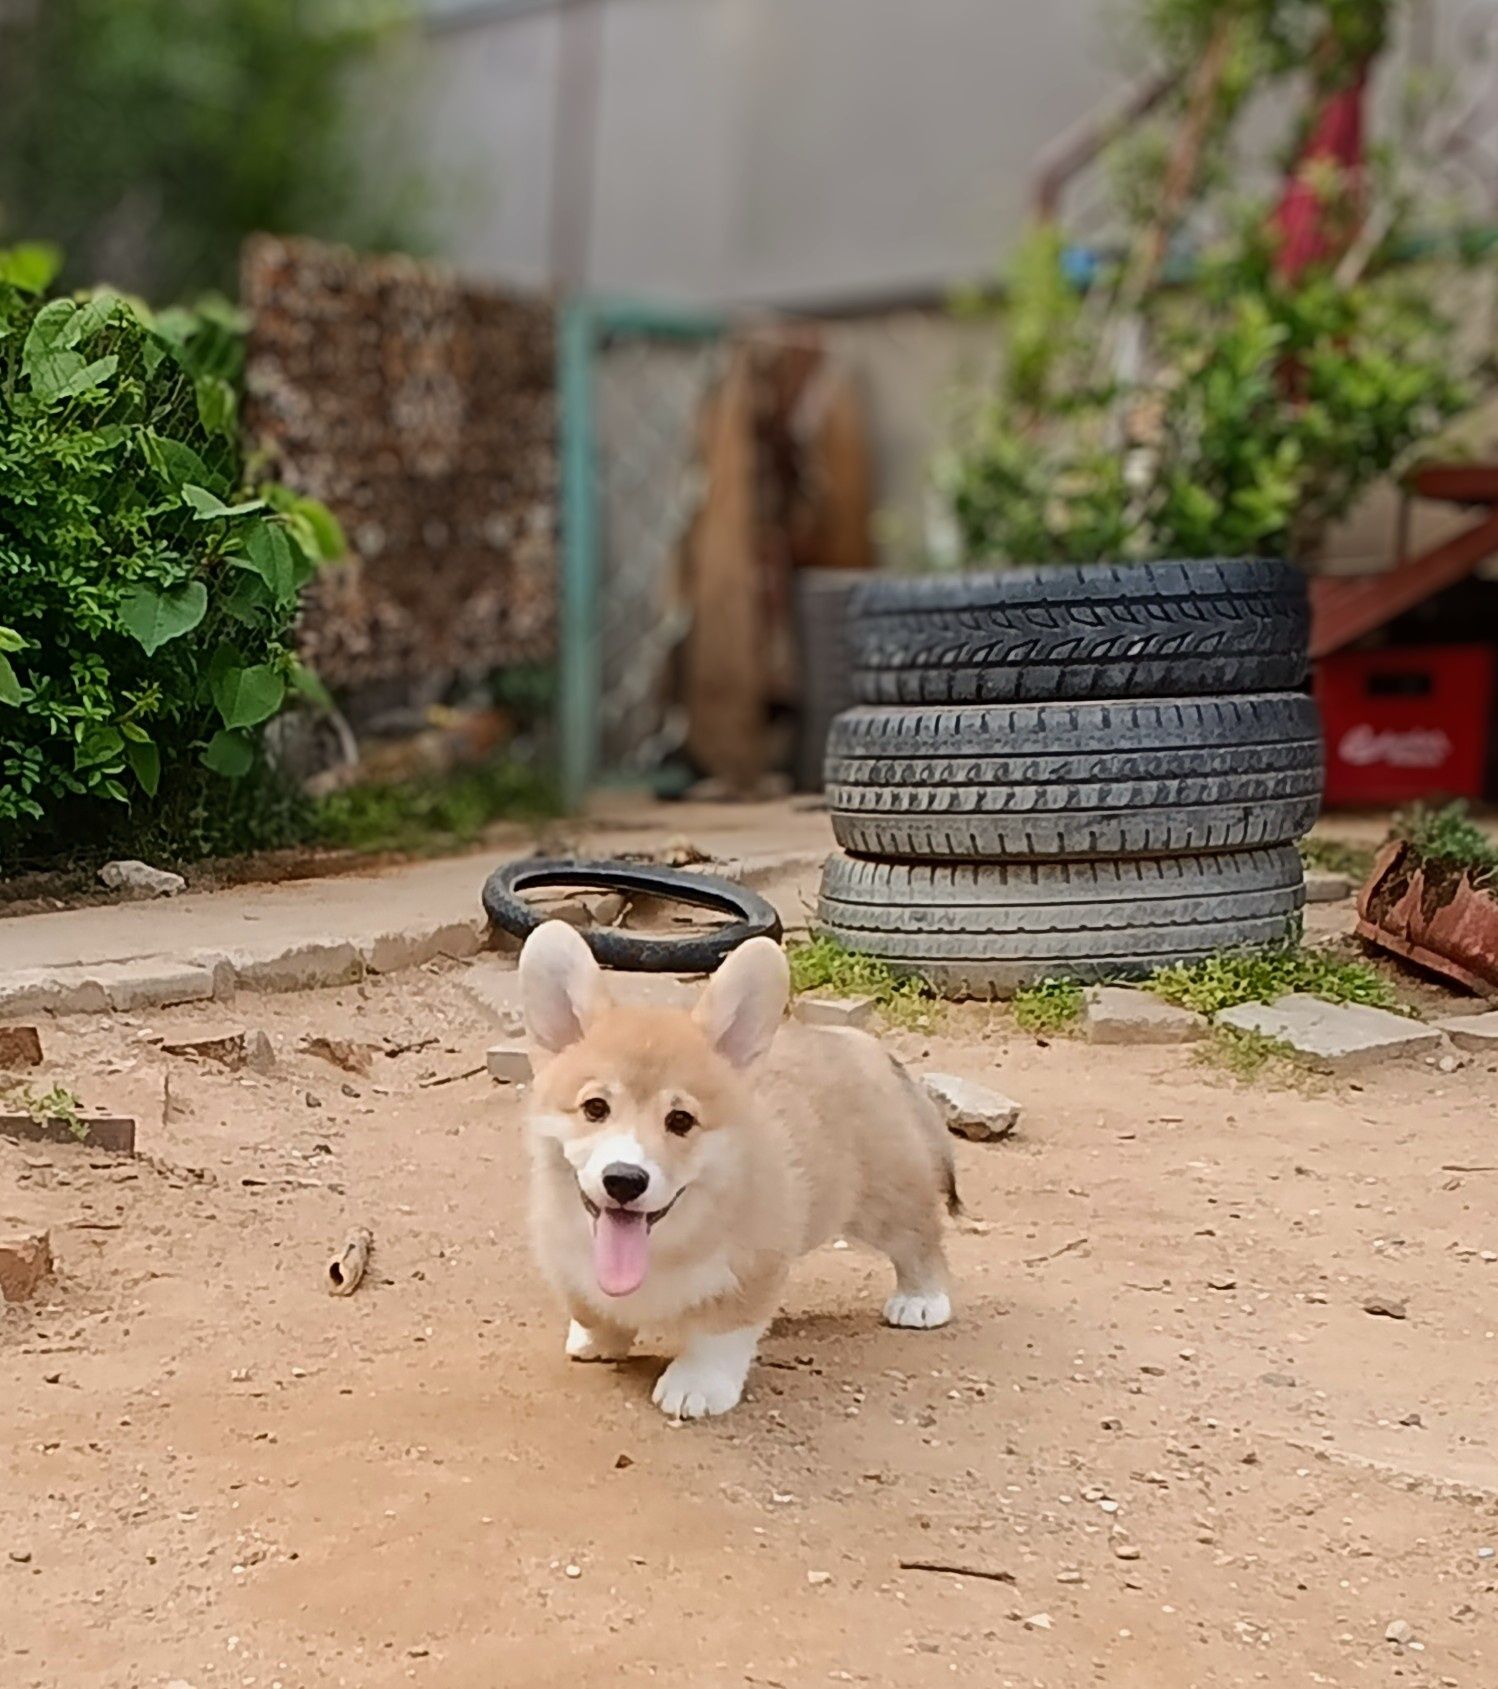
x,y
1080,772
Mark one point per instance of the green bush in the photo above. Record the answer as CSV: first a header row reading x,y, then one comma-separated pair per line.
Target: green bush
x,y
146,598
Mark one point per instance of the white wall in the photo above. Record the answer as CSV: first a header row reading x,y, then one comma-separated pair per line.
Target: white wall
x,y
769,151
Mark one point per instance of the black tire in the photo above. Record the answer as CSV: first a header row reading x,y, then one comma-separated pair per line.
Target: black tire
x,y
1146,630
985,930
700,954
996,782
824,673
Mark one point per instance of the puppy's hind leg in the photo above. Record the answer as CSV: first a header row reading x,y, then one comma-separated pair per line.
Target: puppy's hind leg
x,y
922,1299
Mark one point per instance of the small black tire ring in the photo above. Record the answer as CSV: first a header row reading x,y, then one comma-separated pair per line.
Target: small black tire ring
x,y
700,954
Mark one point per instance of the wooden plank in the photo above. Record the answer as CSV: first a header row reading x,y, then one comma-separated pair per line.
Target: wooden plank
x,y
1343,610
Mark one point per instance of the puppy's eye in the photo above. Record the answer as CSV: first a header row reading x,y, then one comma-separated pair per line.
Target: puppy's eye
x,y
595,1109
680,1122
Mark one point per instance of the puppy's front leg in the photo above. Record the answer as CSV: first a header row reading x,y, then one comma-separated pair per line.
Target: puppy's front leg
x,y
598,1342
708,1376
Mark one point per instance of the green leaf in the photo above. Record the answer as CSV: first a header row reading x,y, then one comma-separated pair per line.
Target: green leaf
x,y
173,461
90,317
247,696
268,554
325,527
10,640
155,617
10,685
210,507
303,680
30,266
145,764
229,754
82,380
98,746
217,405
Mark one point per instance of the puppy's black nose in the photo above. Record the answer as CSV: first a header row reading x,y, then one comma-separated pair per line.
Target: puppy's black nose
x,y
623,1182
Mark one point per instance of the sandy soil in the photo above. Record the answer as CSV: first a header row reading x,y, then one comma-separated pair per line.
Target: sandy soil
x,y
1162,1421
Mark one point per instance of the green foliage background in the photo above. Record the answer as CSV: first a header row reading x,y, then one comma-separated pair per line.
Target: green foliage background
x,y
146,138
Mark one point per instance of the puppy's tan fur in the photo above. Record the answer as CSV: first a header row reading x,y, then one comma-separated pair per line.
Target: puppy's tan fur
x,y
800,1135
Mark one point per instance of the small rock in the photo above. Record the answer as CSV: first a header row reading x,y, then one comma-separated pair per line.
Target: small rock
x,y
623,1463
971,1110
508,1064
259,1055
1399,1630
1069,1576
1323,886
1111,1423
1278,1380
1412,1419
20,1046
1038,1621
1118,1014
817,1579
139,879
1107,1505
1125,1551
1222,1281
1389,1306
835,1011
606,910
25,1260
312,1100
21,1556
417,1652
573,1571
226,1048
1449,1064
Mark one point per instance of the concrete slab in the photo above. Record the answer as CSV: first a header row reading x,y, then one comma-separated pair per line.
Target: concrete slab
x,y
1475,1033
1116,1014
1341,1037
1323,886
835,1011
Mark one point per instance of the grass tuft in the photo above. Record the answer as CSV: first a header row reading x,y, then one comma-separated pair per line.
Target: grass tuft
x,y
1048,1007
1245,1053
1448,835
822,964
433,814
1260,976
1337,856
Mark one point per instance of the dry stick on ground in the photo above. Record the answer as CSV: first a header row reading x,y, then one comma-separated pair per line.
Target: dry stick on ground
x,y
1055,1254
450,1078
947,1569
346,1269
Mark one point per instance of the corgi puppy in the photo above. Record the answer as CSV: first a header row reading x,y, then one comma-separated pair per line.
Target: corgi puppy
x,y
683,1161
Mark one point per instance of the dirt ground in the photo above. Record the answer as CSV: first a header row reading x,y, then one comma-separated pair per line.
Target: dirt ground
x,y
1162,1422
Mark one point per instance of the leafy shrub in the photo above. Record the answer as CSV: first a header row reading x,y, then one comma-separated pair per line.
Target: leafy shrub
x,y
1260,976
1266,409
1049,1006
147,598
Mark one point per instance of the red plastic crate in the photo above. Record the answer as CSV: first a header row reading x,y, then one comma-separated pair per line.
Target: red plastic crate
x,y
1406,724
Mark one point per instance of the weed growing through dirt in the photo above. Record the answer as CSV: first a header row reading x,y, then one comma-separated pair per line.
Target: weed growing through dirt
x,y
1337,856
1244,1053
59,1103
1448,835
822,964
1048,1007
1260,976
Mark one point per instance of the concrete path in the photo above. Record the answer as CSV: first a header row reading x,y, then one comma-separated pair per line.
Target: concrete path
x,y
304,933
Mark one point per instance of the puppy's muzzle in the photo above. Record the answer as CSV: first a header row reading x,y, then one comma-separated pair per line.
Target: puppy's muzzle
x,y
625,1183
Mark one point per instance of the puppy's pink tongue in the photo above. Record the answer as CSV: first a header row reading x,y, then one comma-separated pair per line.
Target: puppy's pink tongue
x,y
621,1251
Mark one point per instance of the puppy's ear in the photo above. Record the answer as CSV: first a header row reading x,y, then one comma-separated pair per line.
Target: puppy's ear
x,y
743,1003
561,986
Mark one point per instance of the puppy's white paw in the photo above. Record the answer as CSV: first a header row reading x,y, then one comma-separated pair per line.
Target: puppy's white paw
x,y
693,1387
585,1345
919,1313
